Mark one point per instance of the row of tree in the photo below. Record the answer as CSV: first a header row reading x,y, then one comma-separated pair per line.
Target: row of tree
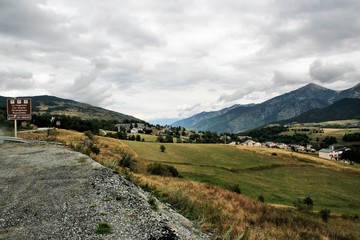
x,y
273,134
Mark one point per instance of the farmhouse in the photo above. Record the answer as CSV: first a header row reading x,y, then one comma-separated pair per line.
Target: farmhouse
x,y
333,152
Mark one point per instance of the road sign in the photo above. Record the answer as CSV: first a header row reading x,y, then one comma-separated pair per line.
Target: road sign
x,y
19,109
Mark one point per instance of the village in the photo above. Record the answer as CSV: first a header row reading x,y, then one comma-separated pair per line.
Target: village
x,y
333,152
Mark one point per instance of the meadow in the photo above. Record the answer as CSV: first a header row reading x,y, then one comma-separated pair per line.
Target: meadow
x,y
281,177
318,133
208,170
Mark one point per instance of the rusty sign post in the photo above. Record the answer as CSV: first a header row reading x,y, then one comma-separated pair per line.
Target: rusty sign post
x,y
18,109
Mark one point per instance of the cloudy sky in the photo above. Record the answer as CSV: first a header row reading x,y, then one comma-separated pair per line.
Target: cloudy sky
x,y
171,59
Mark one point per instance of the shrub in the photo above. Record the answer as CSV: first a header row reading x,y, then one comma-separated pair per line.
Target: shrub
x,y
261,198
162,170
89,134
111,163
236,188
162,148
160,139
93,148
308,201
153,203
305,204
103,228
325,214
127,161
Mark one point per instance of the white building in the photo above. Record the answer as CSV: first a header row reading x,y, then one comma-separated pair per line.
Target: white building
x,y
333,153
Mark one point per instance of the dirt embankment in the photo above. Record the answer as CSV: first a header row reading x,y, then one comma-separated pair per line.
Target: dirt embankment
x,y
51,192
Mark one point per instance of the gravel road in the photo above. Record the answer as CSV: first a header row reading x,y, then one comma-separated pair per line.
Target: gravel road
x,y
50,192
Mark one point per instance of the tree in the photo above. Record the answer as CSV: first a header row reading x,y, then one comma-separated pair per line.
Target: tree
x,y
160,139
162,148
162,170
138,138
328,140
169,139
325,214
305,204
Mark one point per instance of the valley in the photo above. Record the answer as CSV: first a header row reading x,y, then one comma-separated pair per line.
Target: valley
x,y
209,173
231,189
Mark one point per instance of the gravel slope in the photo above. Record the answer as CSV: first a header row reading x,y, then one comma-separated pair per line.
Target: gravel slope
x,y
50,192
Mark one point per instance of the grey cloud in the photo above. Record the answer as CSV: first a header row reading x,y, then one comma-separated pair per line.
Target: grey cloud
x,y
281,78
235,95
186,109
85,79
87,87
100,63
129,30
330,72
314,26
33,28
16,78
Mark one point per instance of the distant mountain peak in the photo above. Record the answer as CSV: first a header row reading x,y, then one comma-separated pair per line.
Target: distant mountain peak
x,y
313,86
285,106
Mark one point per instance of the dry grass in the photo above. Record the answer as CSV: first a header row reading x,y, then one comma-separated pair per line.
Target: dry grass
x,y
110,149
226,213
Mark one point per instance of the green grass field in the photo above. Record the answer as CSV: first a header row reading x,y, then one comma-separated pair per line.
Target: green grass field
x,y
335,132
280,179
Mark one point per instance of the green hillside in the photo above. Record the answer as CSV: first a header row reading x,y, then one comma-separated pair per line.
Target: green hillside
x,y
58,106
347,108
281,179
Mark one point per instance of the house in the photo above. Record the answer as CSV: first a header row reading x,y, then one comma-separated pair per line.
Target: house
x,y
257,144
282,146
333,152
135,130
270,144
251,143
297,148
309,148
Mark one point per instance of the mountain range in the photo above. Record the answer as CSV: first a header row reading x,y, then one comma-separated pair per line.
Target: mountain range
x,y
240,118
346,108
59,106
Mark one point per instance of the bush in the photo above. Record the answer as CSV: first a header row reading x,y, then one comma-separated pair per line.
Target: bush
x,y
325,214
103,228
162,170
89,134
236,188
162,148
305,204
308,201
153,203
160,139
127,161
93,148
261,198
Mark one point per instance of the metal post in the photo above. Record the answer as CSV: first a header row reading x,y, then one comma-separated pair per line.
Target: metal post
x,y
15,128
